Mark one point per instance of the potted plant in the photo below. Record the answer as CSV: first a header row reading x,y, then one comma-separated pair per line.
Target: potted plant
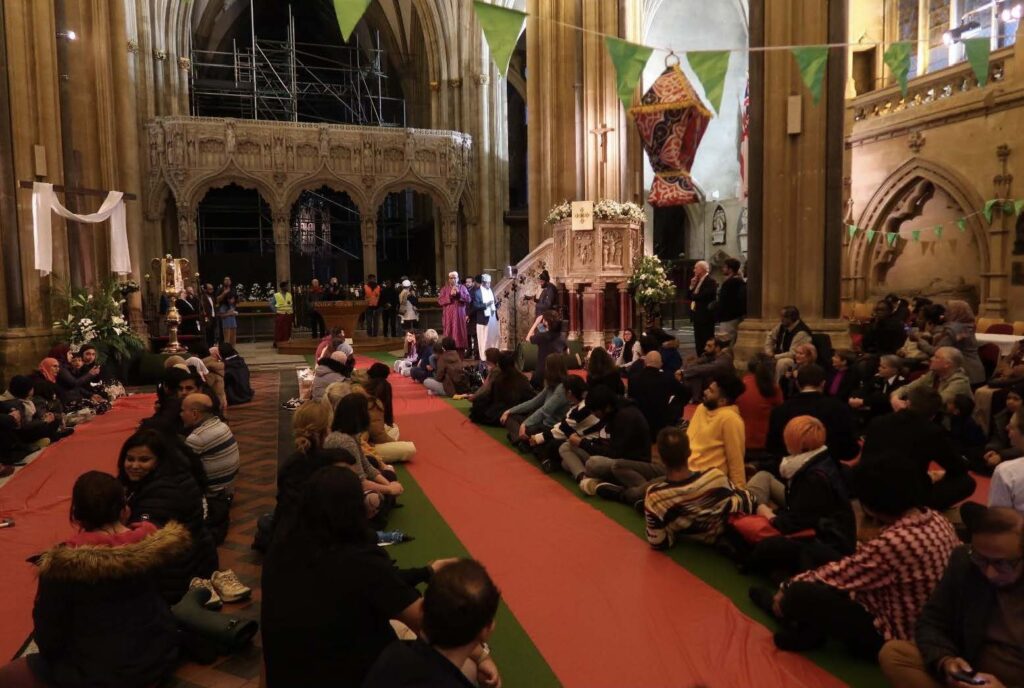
x,y
651,287
94,317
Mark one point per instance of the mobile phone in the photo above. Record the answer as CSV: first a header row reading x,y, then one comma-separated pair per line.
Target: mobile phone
x,y
6,522
968,678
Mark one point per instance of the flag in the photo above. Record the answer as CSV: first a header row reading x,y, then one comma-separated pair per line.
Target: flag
x,y
502,28
349,13
629,60
891,238
812,61
744,139
987,210
962,224
938,231
897,58
977,50
870,235
916,235
710,66
851,230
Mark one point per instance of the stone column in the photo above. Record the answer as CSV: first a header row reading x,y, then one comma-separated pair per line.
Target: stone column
x,y
282,247
187,233
625,306
593,315
368,229
449,239
574,308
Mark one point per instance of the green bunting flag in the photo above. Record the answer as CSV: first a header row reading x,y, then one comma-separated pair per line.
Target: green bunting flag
x,y
851,230
938,231
916,235
987,210
977,50
812,61
501,29
1008,207
870,235
1018,206
891,238
897,58
629,60
962,224
349,13
710,67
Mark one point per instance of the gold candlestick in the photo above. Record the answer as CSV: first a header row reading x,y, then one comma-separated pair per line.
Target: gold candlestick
x,y
171,272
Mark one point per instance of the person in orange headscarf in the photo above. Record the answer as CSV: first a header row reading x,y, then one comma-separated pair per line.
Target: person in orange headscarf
x,y
44,379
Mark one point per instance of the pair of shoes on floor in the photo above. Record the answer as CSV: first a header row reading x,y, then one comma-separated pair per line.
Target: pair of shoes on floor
x,y
588,486
609,491
224,586
292,404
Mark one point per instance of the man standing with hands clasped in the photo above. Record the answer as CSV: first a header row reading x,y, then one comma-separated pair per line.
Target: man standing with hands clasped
x,y
701,293
484,313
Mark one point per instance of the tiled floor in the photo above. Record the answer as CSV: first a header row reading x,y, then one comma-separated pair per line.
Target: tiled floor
x,y
256,427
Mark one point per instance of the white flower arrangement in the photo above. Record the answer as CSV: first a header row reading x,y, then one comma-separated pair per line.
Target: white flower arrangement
x,y
651,287
604,209
94,317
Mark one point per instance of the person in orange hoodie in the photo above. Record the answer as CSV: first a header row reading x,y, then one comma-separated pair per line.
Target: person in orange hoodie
x,y
717,434
371,292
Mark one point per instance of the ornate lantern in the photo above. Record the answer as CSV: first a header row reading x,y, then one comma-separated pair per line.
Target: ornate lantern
x,y
671,120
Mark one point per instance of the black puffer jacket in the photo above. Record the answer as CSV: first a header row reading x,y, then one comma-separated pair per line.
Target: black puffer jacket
x,y
99,618
170,493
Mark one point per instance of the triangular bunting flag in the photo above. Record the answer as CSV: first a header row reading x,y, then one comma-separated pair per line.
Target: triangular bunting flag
x,y
897,58
710,67
938,231
629,60
501,29
1008,207
812,61
977,50
962,224
1018,206
349,13
870,235
916,235
987,210
891,238
851,230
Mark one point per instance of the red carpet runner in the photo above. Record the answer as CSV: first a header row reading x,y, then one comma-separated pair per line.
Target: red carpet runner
x,y
38,498
602,608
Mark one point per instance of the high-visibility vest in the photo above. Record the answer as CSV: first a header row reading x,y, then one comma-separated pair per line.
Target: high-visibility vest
x,y
283,303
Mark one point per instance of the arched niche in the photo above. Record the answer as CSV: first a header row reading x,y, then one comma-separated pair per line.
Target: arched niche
x,y
408,237
235,235
919,196
324,222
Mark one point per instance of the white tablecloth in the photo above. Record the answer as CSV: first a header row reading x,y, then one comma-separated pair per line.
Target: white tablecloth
x,y
1005,342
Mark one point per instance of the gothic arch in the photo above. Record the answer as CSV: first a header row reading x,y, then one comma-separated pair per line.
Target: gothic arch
x,y
198,189
324,177
437,194
862,255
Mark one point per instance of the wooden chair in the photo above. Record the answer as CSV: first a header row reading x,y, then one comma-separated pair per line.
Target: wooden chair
x,y
862,311
999,328
982,324
989,355
1018,328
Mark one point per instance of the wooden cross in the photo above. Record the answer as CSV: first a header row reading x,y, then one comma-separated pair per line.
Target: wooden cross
x,y
602,133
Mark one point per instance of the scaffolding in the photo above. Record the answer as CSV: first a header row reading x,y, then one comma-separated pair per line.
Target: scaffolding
x,y
292,82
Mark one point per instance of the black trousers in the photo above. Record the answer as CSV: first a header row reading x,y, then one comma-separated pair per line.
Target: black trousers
x,y
702,332
317,326
389,324
824,611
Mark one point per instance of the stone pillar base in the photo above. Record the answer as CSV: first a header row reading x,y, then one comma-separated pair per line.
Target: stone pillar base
x,y
21,349
753,331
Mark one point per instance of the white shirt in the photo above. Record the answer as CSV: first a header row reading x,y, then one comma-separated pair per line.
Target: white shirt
x,y
1007,488
487,296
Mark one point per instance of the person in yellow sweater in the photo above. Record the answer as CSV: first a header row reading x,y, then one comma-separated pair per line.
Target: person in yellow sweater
x,y
716,432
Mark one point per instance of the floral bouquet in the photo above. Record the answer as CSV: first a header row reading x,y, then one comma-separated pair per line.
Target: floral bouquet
x,y
650,285
94,317
604,209
129,287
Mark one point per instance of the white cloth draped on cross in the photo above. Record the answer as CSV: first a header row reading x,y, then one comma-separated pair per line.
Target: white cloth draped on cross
x,y
44,201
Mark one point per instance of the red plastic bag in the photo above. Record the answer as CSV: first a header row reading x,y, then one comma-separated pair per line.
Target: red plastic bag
x,y
754,528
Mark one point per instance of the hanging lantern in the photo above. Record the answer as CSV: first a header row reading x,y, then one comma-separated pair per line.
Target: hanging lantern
x,y
671,120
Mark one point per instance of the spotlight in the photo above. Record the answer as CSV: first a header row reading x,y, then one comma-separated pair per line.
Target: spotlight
x,y
67,35
956,35
1012,14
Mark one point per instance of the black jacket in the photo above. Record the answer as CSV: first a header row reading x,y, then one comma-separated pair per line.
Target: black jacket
x,y
955,619
732,300
876,392
653,392
48,391
884,336
236,381
170,493
816,497
836,416
916,438
701,300
71,388
477,312
500,397
547,297
628,436
99,617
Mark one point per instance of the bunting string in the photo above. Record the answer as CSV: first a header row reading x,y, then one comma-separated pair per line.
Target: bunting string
x,y
1007,206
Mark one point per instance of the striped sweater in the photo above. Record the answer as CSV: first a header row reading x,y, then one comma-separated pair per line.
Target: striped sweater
x,y
696,508
578,421
215,444
894,574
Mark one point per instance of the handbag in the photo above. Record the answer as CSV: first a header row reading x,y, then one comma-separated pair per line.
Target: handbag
x,y
754,528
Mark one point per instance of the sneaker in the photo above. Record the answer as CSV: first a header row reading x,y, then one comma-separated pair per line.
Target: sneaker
x,y
589,486
609,491
228,586
214,602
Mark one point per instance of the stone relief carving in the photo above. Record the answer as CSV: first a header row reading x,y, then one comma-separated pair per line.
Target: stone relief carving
x,y
611,248
584,244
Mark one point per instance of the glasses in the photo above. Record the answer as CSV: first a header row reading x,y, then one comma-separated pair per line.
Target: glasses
x,y
1005,566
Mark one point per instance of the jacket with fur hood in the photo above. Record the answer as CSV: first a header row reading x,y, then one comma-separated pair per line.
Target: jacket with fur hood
x,y
99,618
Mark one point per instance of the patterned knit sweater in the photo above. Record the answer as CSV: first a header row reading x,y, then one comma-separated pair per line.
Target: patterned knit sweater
x,y
894,574
696,508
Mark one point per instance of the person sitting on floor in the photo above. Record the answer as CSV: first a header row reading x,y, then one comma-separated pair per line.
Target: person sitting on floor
x,y
811,401
505,387
449,376
695,505
756,403
161,489
971,626
176,384
98,616
329,343
601,370
329,370
804,355
332,637
625,436
213,442
1009,374
425,359
872,399
668,347
541,412
38,427
76,390
885,333
914,435
630,349
999,447
967,436
875,594
548,334
459,607
945,375
657,393
351,420
384,434
408,359
843,380
1007,487
236,376
215,377
782,341
716,359
812,495
579,420
716,431
45,389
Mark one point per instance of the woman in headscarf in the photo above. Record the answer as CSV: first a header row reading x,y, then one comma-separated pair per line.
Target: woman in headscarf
x,y
44,380
957,330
